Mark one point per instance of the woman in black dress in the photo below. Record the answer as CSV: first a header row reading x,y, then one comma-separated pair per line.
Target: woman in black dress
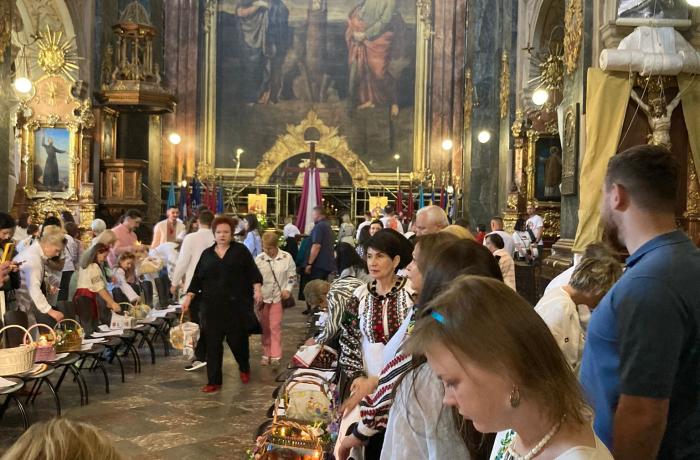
x,y
228,283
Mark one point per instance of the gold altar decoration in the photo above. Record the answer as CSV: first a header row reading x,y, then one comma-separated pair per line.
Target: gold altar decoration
x,y
205,171
505,84
292,143
43,207
573,31
552,72
56,55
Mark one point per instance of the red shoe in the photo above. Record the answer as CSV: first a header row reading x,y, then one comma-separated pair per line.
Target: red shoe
x,y
211,388
245,377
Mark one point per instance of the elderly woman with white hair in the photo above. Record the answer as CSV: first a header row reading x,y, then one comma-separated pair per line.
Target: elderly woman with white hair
x,y
32,294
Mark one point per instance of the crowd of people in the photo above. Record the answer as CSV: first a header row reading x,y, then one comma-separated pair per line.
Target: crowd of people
x,y
439,357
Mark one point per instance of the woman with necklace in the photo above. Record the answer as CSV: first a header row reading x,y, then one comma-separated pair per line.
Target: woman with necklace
x,y
229,284
372,317
502,369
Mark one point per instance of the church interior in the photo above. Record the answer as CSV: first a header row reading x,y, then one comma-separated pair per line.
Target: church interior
x,y
129,126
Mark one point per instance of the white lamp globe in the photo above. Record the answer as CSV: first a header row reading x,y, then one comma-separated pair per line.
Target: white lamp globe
x,y
23,85
540,96
484,136
174,138
447,144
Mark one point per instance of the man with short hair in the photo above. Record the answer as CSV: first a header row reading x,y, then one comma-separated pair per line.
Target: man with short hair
x,y
166,231
126,238
430,219
641,361
534,223
497,228
321,262
368,220
290,230
193,245
390,220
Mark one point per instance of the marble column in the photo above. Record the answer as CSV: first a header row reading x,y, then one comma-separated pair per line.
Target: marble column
x,y
485,165
7,100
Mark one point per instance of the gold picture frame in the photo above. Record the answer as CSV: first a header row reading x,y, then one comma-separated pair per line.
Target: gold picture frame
x,y
51,174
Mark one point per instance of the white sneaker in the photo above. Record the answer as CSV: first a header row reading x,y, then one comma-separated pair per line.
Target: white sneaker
x,y
195,365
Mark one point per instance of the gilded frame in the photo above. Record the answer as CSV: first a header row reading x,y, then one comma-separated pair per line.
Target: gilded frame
x,y
549,210
30,132
421,121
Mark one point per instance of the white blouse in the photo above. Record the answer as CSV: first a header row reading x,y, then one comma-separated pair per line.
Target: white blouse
x,y
599,452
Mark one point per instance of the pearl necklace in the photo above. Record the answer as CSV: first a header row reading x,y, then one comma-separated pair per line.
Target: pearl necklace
x,y
538,447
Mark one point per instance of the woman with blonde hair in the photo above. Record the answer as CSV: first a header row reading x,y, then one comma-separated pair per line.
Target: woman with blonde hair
x,y
346,231
62,439
459,231
279,273
502,369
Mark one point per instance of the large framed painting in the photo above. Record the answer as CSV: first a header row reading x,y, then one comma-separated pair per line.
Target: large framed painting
x,y
547,168
51,165
353,62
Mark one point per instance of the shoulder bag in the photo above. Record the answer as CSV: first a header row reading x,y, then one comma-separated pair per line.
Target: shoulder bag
x,y
289,302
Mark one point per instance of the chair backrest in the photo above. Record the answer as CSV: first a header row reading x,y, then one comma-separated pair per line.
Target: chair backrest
x,y
14,337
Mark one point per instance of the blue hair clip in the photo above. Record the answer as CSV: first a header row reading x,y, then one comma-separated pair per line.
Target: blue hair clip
x,y
438,317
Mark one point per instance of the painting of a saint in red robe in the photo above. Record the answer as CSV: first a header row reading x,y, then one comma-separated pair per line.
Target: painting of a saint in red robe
x,y
372,29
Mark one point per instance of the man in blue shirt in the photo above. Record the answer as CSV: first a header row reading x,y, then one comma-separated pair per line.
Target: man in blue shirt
x,y
321,261
641,363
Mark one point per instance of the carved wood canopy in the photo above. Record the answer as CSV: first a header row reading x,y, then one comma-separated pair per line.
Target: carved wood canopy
x,y
292,143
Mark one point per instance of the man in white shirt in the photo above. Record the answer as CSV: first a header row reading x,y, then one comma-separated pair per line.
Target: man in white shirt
x,y
497,228
567,309
32,261
191,250
290,230
166,231
430,219
368,220
534,223
391,220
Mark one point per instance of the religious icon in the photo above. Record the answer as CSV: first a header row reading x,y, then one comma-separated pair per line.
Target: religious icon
x,y
51,159
377,205
257,203
548,169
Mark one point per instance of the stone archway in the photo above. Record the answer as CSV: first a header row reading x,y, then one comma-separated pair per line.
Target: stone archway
x,y
330,143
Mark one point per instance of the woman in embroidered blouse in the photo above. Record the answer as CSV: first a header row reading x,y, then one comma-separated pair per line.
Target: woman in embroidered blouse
x,y
502,369
279,274
91,283
252,236
375,313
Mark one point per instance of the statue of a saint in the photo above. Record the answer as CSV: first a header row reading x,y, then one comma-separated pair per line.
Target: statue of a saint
x,y
659,117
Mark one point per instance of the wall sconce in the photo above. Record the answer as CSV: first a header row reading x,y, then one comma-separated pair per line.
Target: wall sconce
x,y
174,138
447,144
484,136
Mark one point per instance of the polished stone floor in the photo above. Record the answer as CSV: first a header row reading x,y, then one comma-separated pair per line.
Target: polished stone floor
x,y
161,413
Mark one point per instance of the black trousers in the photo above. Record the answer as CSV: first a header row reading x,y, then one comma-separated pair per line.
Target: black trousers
x,y
200,350
236,335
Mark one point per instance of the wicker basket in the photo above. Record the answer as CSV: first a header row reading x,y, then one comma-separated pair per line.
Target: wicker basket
x,y
138,311
290,437
68,340
45,346
19,359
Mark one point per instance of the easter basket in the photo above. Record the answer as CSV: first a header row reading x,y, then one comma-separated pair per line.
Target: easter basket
x,y
68,340
285,439
17,360
45,344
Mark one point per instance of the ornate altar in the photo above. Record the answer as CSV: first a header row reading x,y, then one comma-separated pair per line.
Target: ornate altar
x,y
52,128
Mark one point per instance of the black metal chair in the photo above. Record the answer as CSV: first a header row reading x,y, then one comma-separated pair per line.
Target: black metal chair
x,y
10,394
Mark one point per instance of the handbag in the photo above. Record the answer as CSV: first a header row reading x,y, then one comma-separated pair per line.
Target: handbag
x,y
289,302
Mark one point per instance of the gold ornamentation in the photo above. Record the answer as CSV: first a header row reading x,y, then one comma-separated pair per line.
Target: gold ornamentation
x,y
209,15
41,208
505,84
5,27
518,124
692,209
425,11
331,144
552,72
573,27
85,117
52,119
56,55
205,171
552,220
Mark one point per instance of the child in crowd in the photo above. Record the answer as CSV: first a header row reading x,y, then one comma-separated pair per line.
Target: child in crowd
x,y
124,279
33,232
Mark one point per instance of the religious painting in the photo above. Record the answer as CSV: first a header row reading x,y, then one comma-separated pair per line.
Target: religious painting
x,y
652,9
352,62
548,168
291,171
377,205
570,151
52,159
257,203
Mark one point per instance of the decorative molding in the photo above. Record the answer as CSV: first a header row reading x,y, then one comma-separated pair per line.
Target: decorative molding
x,y
331,144
505,84
210,10
573,32
468,99
692,209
